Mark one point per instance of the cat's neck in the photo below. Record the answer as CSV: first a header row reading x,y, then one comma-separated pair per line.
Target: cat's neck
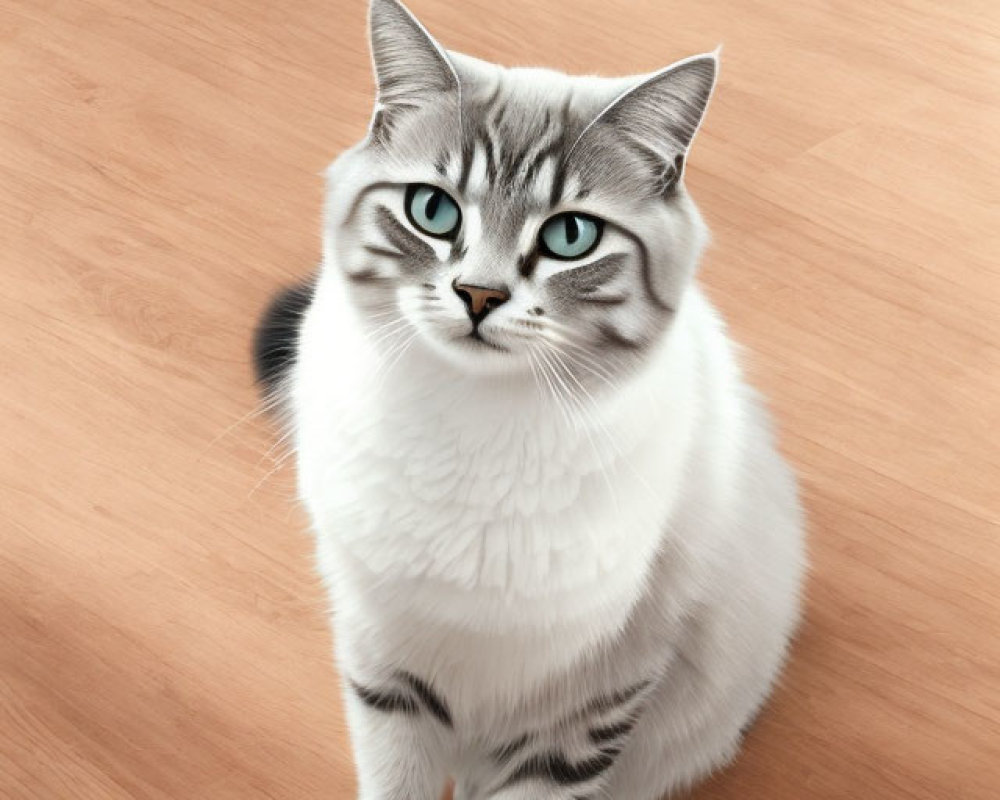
x,y
523,415
421,407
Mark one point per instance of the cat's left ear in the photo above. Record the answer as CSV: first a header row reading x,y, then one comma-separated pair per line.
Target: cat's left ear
x,y
661,114
411,68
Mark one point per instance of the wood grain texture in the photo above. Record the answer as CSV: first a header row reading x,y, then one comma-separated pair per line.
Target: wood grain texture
x,y
162,631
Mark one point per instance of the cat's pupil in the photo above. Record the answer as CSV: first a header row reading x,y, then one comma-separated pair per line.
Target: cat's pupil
x,y
572,230
433,202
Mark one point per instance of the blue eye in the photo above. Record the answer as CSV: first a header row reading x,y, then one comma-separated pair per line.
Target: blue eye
x,y
570,235
432,211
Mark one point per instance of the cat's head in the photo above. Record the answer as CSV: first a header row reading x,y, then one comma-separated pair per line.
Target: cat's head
x,y
517,220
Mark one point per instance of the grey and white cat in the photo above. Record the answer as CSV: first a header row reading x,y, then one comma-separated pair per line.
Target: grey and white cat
x,y
563,552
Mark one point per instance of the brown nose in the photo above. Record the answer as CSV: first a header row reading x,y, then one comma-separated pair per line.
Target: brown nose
x,y
479,300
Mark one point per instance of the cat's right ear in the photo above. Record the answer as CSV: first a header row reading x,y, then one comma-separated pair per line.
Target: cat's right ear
x,y
659,116
411,68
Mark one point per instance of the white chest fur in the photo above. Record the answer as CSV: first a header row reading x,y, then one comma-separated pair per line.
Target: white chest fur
x,y
480,503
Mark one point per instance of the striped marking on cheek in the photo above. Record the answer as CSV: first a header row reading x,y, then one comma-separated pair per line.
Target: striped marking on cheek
x,y
417,252
579,281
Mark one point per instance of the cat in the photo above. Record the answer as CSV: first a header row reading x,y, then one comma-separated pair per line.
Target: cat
x,y
563,553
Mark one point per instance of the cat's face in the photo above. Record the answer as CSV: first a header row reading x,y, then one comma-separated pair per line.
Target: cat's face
x,y
518,220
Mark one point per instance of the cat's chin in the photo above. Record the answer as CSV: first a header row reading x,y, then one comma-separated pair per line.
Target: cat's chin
x,y
478,355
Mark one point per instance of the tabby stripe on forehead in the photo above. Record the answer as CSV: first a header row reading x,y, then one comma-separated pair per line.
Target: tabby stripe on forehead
x,y
493,112
435,704
513,163
489,150
553,147
556,146
494,120
491,100
530,160
559,178
509,160
441,164
388,701
468,151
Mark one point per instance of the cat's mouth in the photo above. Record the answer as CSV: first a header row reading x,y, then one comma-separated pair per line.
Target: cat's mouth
x,y
476,339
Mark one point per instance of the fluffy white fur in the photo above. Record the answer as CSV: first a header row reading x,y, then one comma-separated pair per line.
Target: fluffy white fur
x,y
499,546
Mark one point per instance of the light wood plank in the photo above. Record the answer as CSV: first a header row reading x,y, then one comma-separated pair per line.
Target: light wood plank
x,y
163,631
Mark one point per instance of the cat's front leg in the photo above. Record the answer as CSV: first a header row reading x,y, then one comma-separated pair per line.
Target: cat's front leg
x,y
551,775
545,790
575,758
399,750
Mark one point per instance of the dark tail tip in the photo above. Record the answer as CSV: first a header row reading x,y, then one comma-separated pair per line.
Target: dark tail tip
x,y
276,338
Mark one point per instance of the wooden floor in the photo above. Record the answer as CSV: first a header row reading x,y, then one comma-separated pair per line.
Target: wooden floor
x,y
162,630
